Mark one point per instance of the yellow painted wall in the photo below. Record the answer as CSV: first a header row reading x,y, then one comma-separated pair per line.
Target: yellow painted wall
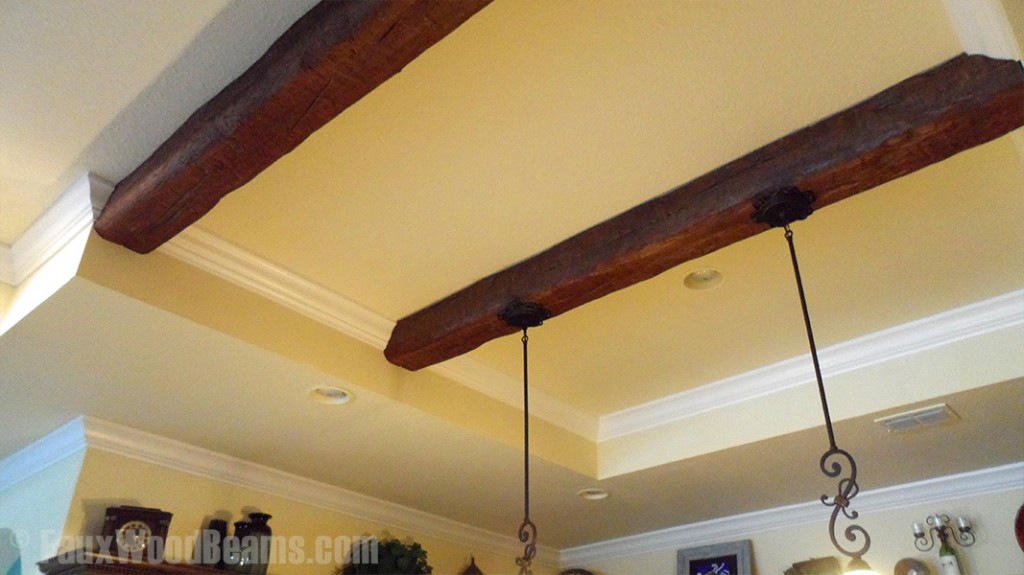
x,y
109,480
995,553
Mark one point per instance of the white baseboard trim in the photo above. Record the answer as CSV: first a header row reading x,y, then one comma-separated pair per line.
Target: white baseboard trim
x,y
992,480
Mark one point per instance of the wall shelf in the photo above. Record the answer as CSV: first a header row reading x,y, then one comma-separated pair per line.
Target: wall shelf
x,y
81,562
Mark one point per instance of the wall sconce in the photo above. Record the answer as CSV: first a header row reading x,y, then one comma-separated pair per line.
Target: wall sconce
x,y
938,526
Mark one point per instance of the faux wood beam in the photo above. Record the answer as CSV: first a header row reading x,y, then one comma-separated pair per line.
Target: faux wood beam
x,y
925,119
330,58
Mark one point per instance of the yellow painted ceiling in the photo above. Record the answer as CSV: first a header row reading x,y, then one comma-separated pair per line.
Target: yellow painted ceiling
x,y
534,121
529,125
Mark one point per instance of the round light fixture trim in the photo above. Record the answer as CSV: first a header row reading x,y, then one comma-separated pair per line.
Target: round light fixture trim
x,y
330,395
592,494
701,279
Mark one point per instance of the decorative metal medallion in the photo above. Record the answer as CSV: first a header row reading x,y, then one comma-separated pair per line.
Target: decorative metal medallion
x,y
524,314
779,208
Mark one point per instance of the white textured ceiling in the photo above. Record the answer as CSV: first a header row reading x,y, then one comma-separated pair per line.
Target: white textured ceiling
x,y
97,85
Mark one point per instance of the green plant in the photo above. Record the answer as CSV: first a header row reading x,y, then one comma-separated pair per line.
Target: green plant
x,y
393,558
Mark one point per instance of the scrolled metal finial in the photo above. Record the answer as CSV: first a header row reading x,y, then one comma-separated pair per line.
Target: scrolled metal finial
x,y
779,208
527,535
832,465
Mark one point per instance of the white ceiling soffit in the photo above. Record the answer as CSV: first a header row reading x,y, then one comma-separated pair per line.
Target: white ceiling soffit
x,y
222,259
218,257
46,256
73,213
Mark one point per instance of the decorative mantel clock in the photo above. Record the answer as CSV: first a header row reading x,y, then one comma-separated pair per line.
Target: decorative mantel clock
x,y
136,532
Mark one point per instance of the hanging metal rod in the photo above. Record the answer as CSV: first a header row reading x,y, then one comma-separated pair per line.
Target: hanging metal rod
x,y
778,209
525,315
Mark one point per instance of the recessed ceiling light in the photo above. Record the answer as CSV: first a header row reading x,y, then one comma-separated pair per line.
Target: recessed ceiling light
x,y
703,279
592,494
330,395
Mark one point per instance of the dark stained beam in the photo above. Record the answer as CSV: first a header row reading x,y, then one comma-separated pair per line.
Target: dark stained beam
x,y
330,58
925,119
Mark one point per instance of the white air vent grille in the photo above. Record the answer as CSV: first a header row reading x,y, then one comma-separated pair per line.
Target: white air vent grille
x,y
918,418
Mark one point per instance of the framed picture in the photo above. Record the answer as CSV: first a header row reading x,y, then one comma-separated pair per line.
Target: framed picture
x,y
721,559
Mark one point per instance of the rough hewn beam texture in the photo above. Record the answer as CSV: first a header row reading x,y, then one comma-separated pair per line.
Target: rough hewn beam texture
x,y
925,119
330,58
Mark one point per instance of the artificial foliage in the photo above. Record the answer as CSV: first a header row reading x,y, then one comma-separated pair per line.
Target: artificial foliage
x,y
393,558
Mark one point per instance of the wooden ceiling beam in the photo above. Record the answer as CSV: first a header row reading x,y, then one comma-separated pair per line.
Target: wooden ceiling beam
x,y
925,119
330,58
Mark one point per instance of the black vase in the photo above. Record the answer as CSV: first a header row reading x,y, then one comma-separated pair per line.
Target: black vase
x,y
237,556
212,553
261,533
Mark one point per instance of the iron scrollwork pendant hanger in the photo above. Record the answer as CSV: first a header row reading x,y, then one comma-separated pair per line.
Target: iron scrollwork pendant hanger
x,y
779,209
525,315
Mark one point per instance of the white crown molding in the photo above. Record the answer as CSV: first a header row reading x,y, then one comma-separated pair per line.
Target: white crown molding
x,y
65,441
65,219
74,211
971,484
910,338
210,253
219,257
983,28
84,432
179,456
223,259
88,432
